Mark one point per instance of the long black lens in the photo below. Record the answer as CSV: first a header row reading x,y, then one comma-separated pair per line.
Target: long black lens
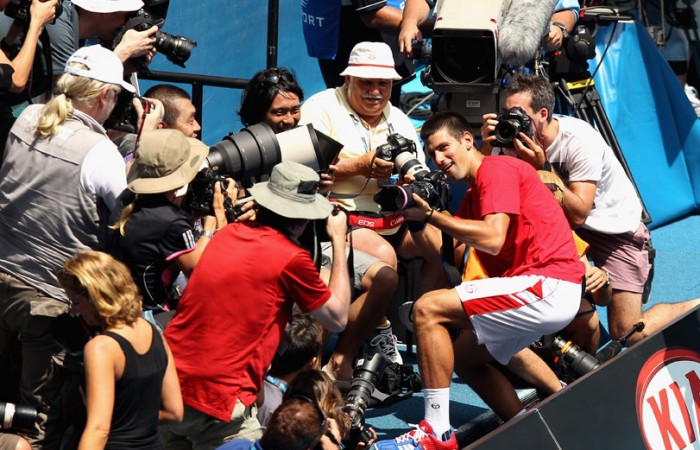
x,y
176,48
252,152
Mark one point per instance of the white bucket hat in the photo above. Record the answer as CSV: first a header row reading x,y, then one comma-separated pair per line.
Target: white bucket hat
x,y
102,65
109,6
371,60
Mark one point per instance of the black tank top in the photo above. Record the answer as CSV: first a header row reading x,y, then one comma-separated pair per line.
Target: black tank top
x,y
137,396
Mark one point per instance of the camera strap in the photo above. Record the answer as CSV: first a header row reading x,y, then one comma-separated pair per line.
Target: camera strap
x,y
364,219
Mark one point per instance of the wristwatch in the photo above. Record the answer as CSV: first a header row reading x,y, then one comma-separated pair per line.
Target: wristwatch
x,y
208,234
562,27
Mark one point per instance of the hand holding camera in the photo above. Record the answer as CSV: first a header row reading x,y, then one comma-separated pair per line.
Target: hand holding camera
x,y
43,12
530,151
376,166
135,43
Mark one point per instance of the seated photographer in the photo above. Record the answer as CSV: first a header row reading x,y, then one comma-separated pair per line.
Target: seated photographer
x,y
59,182
273,96
523,239
152,234
599,200
298,424
131,381
359,116
238,301
300,349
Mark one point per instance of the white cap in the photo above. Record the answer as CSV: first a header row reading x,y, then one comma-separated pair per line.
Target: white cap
x,y
371,60
102,65
109,6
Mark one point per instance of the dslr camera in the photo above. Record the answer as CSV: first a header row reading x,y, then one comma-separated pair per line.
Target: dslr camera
x,y
430,186
510,125
367,374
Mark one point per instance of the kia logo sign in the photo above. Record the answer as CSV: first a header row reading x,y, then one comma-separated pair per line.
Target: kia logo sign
x,y
668,399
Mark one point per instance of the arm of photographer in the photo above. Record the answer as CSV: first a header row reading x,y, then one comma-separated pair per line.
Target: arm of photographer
x,y
578,195
487,234
136,43
415,17
42,13
210,225
366,165
333,315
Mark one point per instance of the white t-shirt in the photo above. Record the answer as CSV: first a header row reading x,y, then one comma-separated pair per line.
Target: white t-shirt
x,y
103,173
579,153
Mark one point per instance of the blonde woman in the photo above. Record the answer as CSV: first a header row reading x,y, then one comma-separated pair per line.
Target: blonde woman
x,y
60,177
132,385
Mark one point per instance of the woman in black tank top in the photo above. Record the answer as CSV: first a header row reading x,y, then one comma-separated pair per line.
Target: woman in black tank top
x,y
130,374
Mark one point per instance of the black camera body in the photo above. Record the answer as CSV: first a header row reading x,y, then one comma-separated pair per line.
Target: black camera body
x,y
20,10
200,194
395,145
510,125
366,376
176,48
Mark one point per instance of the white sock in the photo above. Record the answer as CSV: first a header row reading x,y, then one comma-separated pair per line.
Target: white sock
x,y
437,409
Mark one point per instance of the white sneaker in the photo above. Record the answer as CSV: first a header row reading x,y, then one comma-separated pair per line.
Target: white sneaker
x,y
692,95
384,342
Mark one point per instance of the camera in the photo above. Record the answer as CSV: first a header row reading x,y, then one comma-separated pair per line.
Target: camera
x,y
20,10
401,152
17,417
253,152
176,48
510,124
576,359
432,187
367,374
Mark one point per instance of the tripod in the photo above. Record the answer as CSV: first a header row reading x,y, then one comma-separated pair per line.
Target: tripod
x,y
582,100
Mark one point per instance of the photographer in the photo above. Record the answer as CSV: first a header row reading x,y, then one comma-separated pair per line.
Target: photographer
x,y
60,180
523,240
273,96
359,116
599,199
232,315
152,234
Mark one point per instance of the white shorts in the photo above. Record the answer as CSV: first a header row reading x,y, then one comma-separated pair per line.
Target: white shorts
x,y
508,314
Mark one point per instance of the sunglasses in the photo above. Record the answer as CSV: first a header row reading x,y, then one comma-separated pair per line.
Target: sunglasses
x,y
323,426
271,80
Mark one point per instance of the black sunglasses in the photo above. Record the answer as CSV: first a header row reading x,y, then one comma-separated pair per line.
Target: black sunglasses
x,y
271,80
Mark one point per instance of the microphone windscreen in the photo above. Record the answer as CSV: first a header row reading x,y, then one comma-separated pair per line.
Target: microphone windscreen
x,y
524,25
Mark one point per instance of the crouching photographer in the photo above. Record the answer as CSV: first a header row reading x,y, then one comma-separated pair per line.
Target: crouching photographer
x,y
242,292
153,234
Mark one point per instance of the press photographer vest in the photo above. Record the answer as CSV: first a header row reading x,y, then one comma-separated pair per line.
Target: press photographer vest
x,y
45,214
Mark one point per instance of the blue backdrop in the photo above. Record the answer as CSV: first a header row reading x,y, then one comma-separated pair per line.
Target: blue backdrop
x,y
654,122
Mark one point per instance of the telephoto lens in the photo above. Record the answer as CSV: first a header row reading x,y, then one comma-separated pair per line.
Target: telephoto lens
x,y
17,417
578,360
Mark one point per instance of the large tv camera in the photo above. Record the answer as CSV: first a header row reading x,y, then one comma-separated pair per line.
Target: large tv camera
x,y
17,417
366,376
470,42
430,186
253,152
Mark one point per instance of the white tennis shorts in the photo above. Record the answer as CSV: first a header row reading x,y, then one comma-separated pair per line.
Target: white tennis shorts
x,y
508,314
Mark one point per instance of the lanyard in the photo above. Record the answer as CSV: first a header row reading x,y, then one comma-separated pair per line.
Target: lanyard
x,y
365,134
281,385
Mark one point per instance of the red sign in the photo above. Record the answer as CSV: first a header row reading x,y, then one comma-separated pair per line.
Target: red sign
x,y
668,399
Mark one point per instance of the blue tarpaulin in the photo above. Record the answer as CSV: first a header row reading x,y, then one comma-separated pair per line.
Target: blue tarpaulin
x,y
653,120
